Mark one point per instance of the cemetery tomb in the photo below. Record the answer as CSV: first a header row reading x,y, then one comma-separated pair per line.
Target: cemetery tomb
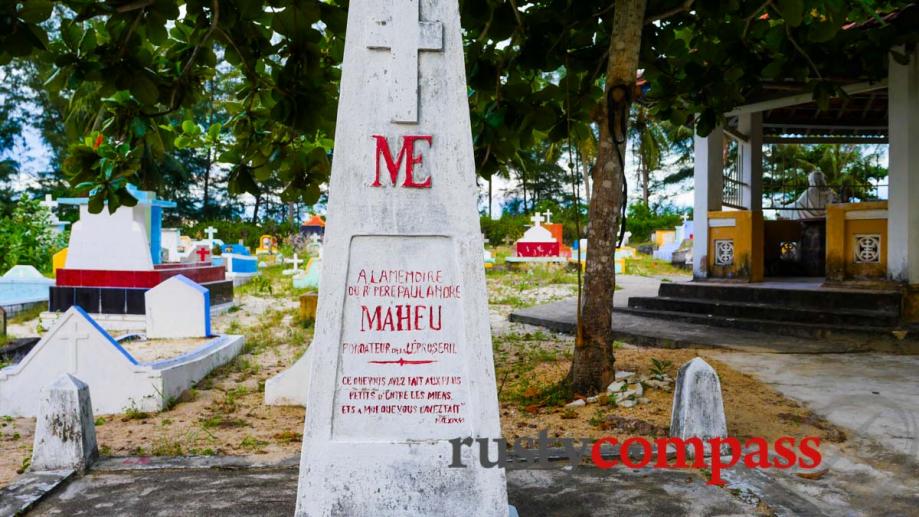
x,y
668,247
401,360
23,287
539,244
141,374
113,259
241,266
178,308
268,245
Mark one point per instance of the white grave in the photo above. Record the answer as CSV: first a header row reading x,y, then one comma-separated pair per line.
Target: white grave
x,y
402,219
698,408
110,242
65,432
178,308
538,232
77,345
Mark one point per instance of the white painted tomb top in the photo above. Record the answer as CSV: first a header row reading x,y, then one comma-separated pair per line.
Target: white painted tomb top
x,y
537,232
178,308
401,360
115,242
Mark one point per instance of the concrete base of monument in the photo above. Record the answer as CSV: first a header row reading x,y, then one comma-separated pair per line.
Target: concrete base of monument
x,y
122,374
288,388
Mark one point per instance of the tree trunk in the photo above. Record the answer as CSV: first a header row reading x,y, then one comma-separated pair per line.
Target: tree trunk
x,y
258,203
645,183
207,185
489,197
290,213
210,157
592,366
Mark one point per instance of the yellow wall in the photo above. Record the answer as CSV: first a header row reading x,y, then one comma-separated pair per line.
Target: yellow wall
x,y
59,260
747,235
841,238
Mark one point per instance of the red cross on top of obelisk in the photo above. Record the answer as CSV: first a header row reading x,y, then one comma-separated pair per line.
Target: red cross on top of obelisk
x,y
404,35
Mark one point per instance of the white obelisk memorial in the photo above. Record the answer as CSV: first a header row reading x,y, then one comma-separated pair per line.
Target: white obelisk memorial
x,y
402,357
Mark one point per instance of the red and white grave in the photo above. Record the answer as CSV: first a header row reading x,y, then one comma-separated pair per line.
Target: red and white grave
x,y
110,263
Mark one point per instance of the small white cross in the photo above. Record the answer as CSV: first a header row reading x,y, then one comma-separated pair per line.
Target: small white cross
x,y
49,202
296,262
685,217
404,35
211,232
537,219
548,215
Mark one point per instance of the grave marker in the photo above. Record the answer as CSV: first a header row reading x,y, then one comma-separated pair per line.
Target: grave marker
x,y
65,433
698,408
401,359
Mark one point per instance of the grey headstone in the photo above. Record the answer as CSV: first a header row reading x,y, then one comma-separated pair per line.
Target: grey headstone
x,y
698,409
65,433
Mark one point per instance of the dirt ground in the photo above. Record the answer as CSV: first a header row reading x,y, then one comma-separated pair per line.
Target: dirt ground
x,y
224,414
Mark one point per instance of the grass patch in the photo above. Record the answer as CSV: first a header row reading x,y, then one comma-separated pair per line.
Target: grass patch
x,y
28,315
134,413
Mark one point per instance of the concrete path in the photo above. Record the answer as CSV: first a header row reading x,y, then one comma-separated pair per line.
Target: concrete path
x,y
228,487
874,395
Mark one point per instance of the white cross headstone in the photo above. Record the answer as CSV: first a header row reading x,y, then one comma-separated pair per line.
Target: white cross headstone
x,y
548,216
401,358
49,202
211,232
402,33
296,262
537,219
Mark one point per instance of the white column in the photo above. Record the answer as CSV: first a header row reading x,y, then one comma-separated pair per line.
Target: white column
x,y
903,179
751,159
709,183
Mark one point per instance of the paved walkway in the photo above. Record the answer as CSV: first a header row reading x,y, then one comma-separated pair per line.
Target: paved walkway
x,y
874,395
227,487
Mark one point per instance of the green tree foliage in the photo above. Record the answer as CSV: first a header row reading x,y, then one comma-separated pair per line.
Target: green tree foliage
x,y
26,237
852,171
127,68
644,219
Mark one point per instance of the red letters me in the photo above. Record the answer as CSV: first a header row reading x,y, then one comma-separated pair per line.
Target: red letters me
x,y
406,154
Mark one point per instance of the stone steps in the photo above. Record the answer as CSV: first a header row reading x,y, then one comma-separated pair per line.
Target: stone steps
x,y
817,299
803,312
770,312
